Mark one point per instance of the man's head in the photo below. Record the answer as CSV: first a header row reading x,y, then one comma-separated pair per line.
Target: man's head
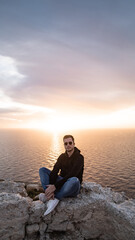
x,y
69,143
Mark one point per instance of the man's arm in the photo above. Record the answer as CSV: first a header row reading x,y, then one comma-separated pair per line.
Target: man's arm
x,y
54,172
49,192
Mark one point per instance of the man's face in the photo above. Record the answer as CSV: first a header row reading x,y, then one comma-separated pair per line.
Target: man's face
x,y
69,144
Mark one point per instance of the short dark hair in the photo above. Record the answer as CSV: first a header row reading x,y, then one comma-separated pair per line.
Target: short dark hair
x,y
68,136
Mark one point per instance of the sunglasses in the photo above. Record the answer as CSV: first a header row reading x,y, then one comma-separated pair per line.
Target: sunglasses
x,y
66,143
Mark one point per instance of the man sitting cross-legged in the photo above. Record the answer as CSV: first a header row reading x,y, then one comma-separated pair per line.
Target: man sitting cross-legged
x,y
67,184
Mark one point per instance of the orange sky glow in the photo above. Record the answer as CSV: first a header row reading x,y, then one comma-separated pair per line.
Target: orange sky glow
x,y
66,68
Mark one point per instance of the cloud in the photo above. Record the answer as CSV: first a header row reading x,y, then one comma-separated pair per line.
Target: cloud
x,y
9,75
77,56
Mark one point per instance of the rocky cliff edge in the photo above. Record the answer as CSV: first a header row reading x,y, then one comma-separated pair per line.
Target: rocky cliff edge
x,y
96,214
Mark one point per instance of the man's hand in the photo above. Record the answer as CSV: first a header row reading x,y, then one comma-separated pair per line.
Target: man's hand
x,y
49,192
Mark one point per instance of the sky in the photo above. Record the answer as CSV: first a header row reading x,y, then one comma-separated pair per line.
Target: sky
x,y
67,64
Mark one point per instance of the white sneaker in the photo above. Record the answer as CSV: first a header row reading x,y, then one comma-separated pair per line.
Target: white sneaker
x,y
51,205
42,197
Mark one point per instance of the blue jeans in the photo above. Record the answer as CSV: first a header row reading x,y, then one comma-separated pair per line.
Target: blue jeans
x,y
70,188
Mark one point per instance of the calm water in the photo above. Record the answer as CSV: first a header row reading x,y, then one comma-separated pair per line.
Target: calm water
x,y
109,156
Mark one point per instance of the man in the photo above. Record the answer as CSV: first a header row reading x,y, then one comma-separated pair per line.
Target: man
x,y
67,184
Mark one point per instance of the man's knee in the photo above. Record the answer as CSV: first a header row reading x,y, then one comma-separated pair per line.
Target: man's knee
x,y
41,170
74,180
72,186
73,183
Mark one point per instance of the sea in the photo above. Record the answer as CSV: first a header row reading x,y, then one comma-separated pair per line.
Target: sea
x,y
109,155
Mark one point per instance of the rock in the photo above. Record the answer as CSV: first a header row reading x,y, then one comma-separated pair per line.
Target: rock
x,y
13,187
42,227
33,190
13,216
107,193
30,229
36,212
34,187
97,213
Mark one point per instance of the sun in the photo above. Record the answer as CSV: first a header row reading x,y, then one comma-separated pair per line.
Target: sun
x,y
57,123
61,123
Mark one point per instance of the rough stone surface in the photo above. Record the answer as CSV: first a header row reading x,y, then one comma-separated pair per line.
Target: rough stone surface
x,y
96,214
36,211
33,190
33,187
13,187
30,229
13,216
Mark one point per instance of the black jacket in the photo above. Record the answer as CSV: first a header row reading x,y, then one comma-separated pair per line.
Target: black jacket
x,y
67,167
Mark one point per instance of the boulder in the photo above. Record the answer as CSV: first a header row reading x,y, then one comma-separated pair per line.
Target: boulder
x,y
14,213
13,187
33,189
